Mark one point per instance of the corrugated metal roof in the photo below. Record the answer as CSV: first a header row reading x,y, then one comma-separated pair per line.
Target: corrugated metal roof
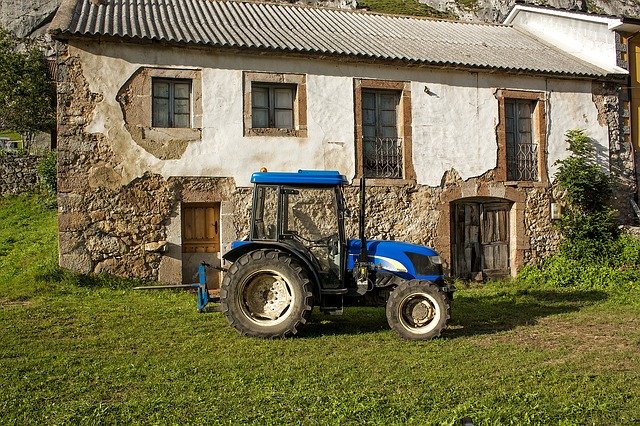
x,y
311,30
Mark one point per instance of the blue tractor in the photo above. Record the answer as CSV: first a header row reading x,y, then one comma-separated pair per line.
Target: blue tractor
x,y
297,256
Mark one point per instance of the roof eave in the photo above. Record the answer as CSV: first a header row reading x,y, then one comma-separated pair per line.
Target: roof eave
x,y
66,35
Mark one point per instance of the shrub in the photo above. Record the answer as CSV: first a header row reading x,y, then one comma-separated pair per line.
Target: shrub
x,y
592,254
588,223
48,172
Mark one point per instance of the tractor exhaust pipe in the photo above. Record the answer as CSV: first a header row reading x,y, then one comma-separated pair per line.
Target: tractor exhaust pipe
x,y
362,269
363,240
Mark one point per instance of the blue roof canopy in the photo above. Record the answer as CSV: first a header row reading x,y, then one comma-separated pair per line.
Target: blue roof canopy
x,y
302,177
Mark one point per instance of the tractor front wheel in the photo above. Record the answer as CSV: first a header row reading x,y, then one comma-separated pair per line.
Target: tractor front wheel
x,y
266,293
417,310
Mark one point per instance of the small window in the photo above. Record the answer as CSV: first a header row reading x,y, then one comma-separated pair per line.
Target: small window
x,y
171,103
272,106
381,145
383,141
522,136
275,104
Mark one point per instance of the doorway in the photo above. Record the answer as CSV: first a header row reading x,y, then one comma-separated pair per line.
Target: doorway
x,y
480,239
201,241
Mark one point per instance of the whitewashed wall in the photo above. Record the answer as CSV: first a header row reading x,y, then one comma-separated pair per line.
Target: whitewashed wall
x,y
587,37
454,114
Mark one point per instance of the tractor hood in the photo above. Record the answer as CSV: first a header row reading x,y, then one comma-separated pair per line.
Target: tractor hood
x,y
409,261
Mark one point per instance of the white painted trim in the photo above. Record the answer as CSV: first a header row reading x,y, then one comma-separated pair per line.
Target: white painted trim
x,y
612,23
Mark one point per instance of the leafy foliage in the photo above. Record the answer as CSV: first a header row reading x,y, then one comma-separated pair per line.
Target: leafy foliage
x,y
587,187
27,94
592,254
588,222
48,172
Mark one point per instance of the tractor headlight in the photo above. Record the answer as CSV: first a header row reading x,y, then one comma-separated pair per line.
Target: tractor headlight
x,y
425,265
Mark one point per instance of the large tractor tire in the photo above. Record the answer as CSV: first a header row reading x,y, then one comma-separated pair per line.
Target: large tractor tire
x,y
417,310
266,293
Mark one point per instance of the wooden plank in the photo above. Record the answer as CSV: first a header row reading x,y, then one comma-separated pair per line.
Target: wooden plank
x,y
187,224
488,258
199,224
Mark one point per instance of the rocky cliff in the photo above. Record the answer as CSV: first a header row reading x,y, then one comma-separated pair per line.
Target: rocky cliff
x,y
497,10
31,17
27,17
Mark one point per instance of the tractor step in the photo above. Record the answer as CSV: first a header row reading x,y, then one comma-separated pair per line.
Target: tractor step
x,y
333,291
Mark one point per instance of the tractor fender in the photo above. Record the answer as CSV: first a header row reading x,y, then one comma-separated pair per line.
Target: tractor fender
x,y
235,253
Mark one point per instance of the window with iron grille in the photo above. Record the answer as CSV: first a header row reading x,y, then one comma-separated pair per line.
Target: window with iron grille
x,y
521,145
272,106
171,103
381,147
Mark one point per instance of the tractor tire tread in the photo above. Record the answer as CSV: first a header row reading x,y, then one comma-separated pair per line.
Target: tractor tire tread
x,y
298,277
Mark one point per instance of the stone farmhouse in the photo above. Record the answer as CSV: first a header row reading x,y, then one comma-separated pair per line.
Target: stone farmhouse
x,y
166,108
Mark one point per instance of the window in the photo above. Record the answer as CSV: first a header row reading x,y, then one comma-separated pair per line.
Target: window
x,y
383,129
272,106
171,103
522,149
381,146
275,104
265,210
521,136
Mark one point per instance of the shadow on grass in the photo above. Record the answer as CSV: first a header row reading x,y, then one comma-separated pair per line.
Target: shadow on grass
x,y
478,314
472,314
355,320
94,281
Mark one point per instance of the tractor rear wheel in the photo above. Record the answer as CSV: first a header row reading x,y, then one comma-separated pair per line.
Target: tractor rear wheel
x,y
266,293
417,310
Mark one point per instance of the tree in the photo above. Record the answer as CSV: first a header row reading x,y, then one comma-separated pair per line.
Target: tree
x,y
27,94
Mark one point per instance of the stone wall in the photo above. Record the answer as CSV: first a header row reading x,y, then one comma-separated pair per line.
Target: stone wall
x,y
105,226
613,111
107,221
18,174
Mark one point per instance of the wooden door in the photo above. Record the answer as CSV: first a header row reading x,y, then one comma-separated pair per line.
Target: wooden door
x,y
495,239
465,242
480,239
201,228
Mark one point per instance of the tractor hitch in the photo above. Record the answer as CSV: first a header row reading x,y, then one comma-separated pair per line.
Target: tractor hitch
x,y
202,292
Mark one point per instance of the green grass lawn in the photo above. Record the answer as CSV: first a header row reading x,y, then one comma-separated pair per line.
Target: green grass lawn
x,y
82,350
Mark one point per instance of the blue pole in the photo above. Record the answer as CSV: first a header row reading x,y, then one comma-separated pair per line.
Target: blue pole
x,y
203,293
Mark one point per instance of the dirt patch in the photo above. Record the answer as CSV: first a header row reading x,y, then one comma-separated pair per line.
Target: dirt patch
x,y
580,335
7,303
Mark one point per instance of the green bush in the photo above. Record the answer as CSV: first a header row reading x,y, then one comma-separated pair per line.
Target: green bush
x,y
588,224
48,172
592,253
618,266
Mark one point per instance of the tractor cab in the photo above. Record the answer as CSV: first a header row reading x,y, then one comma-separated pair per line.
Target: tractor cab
x,y
303,212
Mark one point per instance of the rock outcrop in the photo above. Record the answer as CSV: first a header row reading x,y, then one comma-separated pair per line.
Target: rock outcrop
x,y
29,18
26,18
497,10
